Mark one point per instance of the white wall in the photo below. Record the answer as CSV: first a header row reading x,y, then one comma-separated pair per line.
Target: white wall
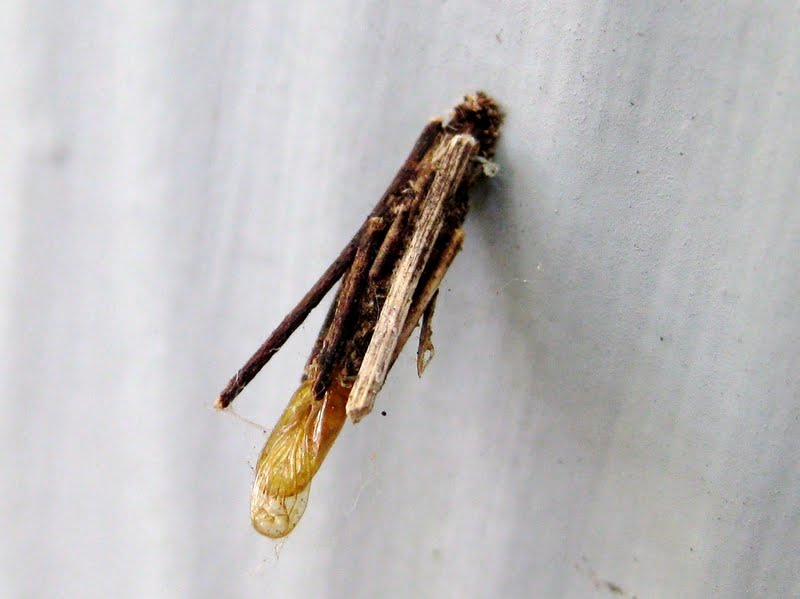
x,y
614,397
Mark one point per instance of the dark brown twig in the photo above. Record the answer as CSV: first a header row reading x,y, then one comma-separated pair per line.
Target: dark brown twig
x,y
328,279
349,293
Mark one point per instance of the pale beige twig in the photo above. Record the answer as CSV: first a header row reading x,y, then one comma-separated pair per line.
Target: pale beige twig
x,y
453,161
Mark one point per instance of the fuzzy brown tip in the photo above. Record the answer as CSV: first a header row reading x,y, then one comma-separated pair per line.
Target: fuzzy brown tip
x,y
480,116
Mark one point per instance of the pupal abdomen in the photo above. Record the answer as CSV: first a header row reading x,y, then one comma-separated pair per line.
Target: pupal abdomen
x,y
291,457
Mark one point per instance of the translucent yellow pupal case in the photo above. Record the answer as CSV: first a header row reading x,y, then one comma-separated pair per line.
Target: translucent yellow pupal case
x,y
291,457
